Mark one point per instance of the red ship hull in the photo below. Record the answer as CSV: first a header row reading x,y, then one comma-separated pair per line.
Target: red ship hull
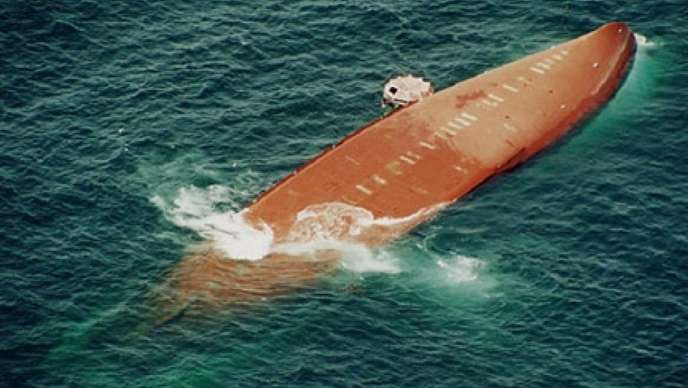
x,y
409,164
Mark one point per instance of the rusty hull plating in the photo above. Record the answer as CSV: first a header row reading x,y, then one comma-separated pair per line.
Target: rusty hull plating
x,y
429,153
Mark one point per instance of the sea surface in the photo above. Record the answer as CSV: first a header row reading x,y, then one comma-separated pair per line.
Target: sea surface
x,y
124,125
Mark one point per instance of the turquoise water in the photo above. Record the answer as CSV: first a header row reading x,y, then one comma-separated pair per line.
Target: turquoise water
x,y
572,270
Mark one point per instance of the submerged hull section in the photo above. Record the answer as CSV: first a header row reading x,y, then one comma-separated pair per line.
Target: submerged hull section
x,y
396,172
442,147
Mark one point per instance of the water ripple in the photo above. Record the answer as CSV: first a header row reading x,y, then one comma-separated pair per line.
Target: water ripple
x,y
570,270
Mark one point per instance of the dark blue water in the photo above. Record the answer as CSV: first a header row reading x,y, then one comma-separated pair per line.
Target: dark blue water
x,y
571,270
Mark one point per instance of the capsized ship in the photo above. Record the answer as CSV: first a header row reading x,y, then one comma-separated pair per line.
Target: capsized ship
x,y
398,171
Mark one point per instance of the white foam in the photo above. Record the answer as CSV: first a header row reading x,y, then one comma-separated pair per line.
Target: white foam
x,y
461,269
354,257
642,41
196,209
343,222
329,226
346,229
331,221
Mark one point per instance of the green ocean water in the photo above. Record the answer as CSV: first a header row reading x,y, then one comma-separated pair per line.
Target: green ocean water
x,y
119,117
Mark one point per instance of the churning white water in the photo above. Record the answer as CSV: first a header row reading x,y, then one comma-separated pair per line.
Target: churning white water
x,y
328,226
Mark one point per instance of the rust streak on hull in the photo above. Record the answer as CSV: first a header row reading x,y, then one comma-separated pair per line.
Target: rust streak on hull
x,y
429,153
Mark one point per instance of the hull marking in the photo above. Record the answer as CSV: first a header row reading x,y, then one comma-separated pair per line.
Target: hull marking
x,y
414,155
448,131
352,160
380,180
509,127
455,125
488,102
427,145
364,190
462,121
510,88
495,97
524,80
407,160
468,116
